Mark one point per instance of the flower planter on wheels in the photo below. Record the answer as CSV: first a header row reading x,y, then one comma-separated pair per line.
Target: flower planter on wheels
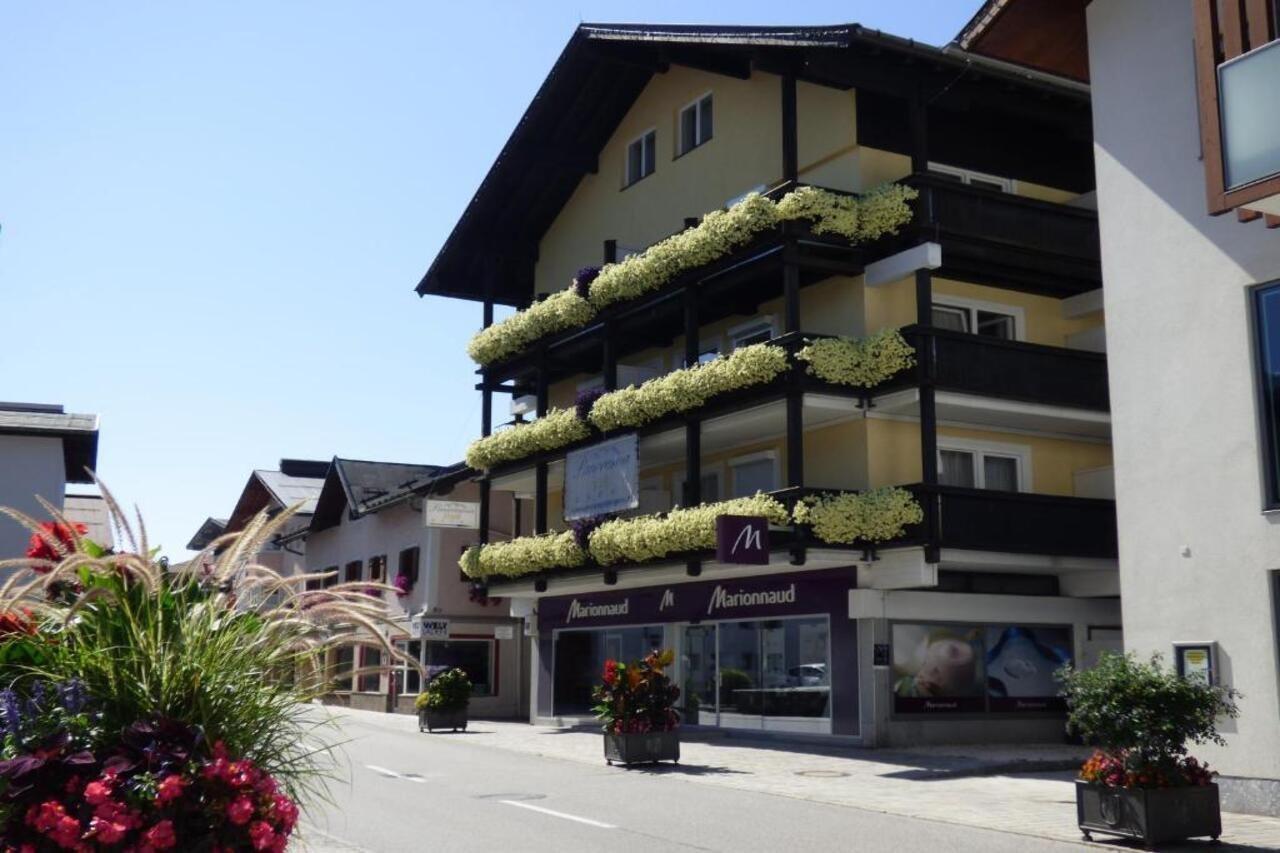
x,y
648,748
429,720
1150,815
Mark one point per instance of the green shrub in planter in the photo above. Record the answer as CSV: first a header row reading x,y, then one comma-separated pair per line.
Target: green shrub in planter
x,y
1141,783
448,691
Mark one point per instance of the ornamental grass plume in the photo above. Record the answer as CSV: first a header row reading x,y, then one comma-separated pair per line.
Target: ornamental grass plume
x,y
224,646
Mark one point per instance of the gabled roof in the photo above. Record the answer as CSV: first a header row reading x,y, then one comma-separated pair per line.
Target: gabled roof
x,y
1048,35
79,433
491,251
362,487
275,490
91,511
210,530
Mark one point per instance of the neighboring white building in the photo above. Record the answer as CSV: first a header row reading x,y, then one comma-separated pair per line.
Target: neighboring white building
x,y
1186,128
42,448
371,524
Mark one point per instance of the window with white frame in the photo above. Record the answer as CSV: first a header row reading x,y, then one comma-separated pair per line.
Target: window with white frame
x,y
981,180
408,679
755,473
978,467
642,157
695,124
988,319
709,488
756,331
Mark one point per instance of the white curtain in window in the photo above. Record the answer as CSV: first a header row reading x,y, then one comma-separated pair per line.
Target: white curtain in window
x,y
1000,472
956,468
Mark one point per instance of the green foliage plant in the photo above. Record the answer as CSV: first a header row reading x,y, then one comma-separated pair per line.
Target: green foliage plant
x,y
843,518
556,429
858,362
652,537
448,691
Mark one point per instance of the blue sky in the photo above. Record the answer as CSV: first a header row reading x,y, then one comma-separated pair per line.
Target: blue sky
x,y
212,217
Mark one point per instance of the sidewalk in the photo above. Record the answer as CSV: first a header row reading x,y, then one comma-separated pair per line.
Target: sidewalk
x,y
991,787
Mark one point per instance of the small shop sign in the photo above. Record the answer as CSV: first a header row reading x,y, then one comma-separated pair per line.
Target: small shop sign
x,y
742,540
460,514
1195,661
602,478
427,628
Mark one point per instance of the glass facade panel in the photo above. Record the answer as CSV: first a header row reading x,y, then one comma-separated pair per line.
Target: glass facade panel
x,y
580,657
1250,120
1267,322
474,657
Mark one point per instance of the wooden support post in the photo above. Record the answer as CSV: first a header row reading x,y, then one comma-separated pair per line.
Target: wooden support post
x,y
609,356
795,438
515,517
790,132
486,395
690,326
791,297
484,510
928,417
919,135
692,478
540,471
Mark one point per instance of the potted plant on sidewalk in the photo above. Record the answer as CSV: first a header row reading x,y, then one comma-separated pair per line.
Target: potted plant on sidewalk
x,y
635,703
443,704
1141,783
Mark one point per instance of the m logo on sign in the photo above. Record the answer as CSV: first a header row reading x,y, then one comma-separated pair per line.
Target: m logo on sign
x,y
742,539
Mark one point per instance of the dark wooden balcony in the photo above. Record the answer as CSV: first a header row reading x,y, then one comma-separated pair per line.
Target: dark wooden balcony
x,y
1009,370
1023,523
1007,240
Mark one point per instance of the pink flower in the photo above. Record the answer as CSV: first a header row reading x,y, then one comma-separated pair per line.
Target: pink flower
x,y
262,836
286,812
240,811
161,836
98,791
106,831
66,832
170,789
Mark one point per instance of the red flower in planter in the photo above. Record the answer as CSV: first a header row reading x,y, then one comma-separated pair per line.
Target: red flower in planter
x,y
53,541
160,837
610,672
240,811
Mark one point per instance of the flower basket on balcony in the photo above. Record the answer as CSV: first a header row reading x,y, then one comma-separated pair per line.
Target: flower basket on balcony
x,y
1141,783
443,704
635,704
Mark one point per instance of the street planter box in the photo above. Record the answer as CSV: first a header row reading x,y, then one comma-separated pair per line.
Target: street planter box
x,y
429,720
1151,815
642,748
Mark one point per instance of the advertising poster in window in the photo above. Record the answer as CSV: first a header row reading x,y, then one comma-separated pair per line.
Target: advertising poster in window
x,y
938,669
1021,661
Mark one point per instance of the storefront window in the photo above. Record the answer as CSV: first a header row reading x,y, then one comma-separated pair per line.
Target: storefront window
x,y
774,668
408,679
370,682
343,664
474,657
580,657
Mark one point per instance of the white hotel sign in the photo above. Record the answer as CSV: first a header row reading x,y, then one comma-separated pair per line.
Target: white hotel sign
x,y
464,514
602,478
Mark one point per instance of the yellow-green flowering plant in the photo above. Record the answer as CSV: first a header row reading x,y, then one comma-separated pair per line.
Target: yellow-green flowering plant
x,y
688,388
859,362
635,540
558,428
523,556
843,518
856,218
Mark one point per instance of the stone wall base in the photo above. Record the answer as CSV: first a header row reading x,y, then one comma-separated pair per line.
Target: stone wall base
x,y
1250,796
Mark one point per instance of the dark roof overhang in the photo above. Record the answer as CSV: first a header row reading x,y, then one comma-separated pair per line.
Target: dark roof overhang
x,y
492,250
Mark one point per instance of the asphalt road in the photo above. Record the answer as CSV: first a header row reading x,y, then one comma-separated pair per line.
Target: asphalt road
x,y
440,793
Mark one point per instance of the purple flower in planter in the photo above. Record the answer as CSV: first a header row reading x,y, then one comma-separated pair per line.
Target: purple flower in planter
x,y
585,400
583,528
582,281
12,712
403,585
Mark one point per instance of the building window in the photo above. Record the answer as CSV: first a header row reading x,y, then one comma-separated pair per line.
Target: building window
x,y
352,572
980,180
474,657
695,124
757,331
408,679
370,682
709,490
1266,307
985,319
331,578
343,662
641,157
972,468
378,568
409,564
755,473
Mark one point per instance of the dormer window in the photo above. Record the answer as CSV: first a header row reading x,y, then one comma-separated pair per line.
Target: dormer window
x,y
641,157
695,124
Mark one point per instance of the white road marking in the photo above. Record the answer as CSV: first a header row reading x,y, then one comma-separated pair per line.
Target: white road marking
x,y
391,774
588,821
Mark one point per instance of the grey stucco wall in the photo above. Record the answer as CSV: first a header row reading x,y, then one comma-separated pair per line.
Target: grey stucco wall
x,y
1186,434
29,466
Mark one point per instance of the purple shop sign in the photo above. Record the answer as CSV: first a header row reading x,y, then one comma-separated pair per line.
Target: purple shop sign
x,y
792,594
742,540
